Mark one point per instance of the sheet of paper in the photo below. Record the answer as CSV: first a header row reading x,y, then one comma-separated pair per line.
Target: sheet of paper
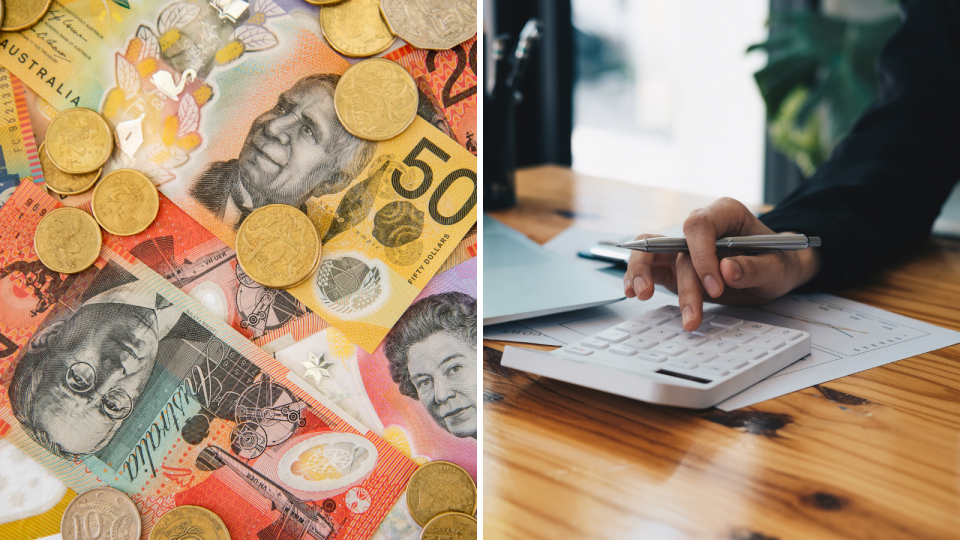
x,y
518,333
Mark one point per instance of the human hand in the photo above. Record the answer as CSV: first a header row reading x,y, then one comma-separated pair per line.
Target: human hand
x,y
736,280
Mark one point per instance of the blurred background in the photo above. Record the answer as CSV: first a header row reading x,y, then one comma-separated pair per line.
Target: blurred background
x,y
742,99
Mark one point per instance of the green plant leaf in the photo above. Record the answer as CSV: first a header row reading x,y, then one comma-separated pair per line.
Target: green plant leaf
x,y
122,3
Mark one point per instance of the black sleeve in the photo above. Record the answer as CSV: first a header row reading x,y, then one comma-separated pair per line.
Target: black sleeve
x,y
884,185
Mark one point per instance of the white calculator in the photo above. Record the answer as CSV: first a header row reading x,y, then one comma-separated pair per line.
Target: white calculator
x,y
651,358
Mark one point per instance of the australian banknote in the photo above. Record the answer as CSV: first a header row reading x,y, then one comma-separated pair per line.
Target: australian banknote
x,y
113,376
236,114
449,79
18,149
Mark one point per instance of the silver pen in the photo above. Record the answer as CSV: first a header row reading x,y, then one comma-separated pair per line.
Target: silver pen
x,y
762,242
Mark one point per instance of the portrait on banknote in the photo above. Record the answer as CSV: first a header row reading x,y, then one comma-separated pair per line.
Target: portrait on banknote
x,y
294,151
433,358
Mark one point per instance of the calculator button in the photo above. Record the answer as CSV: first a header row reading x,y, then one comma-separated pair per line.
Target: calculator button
x,y
726,322
731,362
640,342
690,339
788,334
717,370
624,350
595,344
700,355
708,317
683,363
755,328
579,351
652,356
711,331
661,334
672,311
769,343
749,352
670,349
738,337
633,327
720,345
612,336
653,318
676,324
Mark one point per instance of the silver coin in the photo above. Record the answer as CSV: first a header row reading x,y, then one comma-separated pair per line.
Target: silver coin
x,y
101,513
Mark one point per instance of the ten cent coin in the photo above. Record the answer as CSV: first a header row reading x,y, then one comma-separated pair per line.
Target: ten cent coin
x,y
78,141
22,14
60,182
67,240
186,522
376,99
356,28
450,526
125,202
439,487
101,513
278,246
438,25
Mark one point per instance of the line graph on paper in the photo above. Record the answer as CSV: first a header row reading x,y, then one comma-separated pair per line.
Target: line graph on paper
x,y
834,328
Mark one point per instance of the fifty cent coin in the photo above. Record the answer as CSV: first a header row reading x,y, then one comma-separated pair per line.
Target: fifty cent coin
x,y
278,246
356,28
186,522
78,141
101,513
60,182
439,487
438,25
450,526
376,99
22,14
67,240
125,202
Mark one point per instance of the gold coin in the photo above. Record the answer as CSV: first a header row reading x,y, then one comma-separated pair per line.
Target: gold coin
x,y
99,510
67,240
125,202
80,141
376,99
60,182
450,526
22,14
324,2
278,246
356,28
185,522
437,25
439,487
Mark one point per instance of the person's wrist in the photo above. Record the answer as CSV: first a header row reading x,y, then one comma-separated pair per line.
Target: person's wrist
x,y
809,260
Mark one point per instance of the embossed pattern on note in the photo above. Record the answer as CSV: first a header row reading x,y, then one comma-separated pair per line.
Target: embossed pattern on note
x,y
376,99
356,28
278,246
432,24
67,240
78,141
125,202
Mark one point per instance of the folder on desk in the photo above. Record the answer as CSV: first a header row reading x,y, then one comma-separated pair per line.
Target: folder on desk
x,y
523,280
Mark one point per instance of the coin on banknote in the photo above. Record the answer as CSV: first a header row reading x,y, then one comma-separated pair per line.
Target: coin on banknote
x,y
438,487
324,2
99,511
185,522
437,25
278,246
356,28
22,14
125,202
78,141
63,183
450,526
67,240
376,99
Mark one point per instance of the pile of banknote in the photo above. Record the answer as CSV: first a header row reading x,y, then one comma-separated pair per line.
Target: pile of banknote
x,y
254,350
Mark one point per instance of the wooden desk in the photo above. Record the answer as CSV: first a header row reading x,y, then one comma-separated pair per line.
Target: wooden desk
x,y
872,455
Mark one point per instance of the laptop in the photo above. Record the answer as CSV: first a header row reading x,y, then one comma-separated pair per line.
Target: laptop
x,y
522,280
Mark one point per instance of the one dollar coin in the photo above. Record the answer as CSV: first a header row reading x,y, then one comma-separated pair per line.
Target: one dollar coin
x,y
439,487
78,141
67,240
22,14
376,99
63,183
450,526
125,202
186,522
278,246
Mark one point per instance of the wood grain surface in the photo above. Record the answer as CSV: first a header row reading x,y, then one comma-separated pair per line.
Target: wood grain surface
x,y
873,455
